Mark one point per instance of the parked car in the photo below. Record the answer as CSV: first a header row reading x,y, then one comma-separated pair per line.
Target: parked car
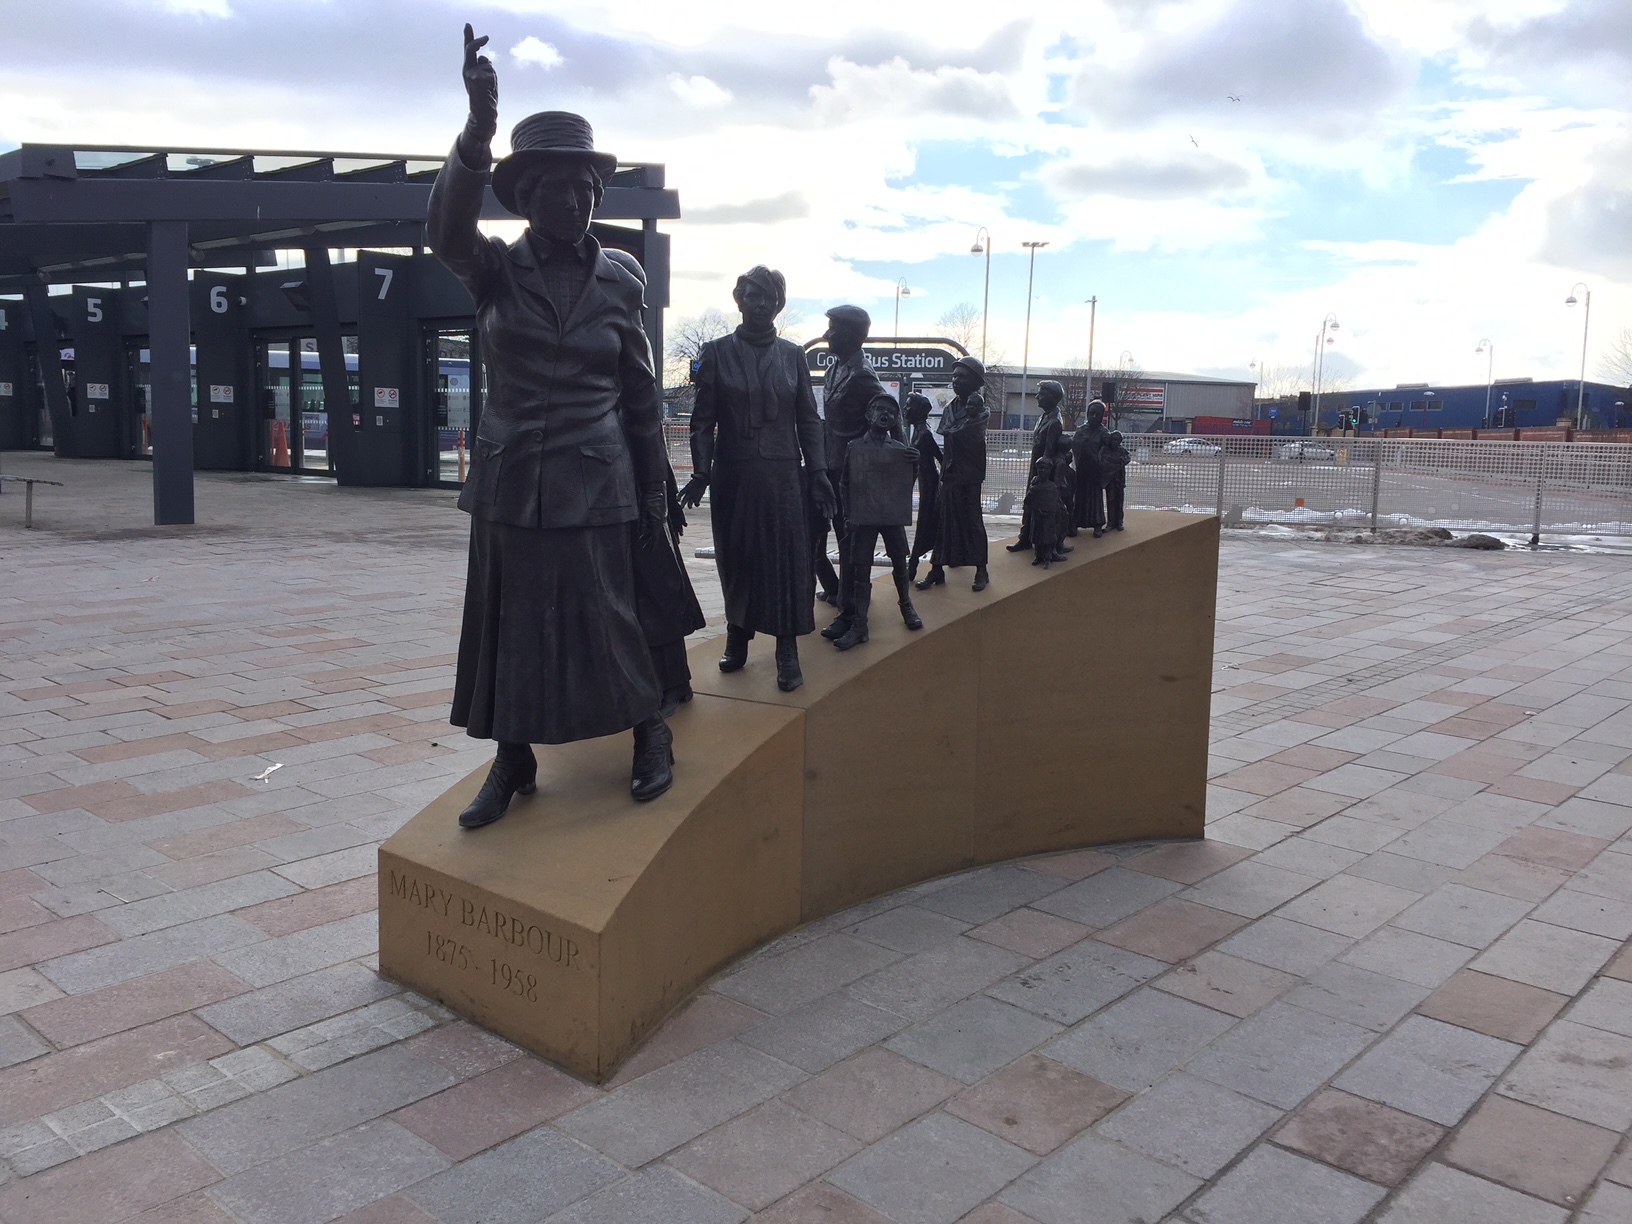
x,y
1304,450
1191,446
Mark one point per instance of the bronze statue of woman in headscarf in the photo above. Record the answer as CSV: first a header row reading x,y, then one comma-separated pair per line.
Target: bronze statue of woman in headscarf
x,y
756,443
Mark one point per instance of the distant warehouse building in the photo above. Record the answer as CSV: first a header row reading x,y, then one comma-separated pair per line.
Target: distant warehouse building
x,y
1150,400
1507,403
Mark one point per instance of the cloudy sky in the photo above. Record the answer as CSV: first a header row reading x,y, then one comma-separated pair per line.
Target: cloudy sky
x,y
1220,173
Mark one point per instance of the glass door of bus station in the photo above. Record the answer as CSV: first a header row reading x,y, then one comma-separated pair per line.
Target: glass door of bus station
x,y
456,405
294,418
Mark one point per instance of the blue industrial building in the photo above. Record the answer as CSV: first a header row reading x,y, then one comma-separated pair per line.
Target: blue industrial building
x,y
1514,403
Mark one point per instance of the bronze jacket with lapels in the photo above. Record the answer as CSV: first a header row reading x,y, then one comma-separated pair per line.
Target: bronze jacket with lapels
x,y
571,423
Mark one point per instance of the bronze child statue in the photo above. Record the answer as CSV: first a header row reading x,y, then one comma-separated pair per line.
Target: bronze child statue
x,y
1045,443
875,487
929,477
1046,512
1089,510
1113,463
569,474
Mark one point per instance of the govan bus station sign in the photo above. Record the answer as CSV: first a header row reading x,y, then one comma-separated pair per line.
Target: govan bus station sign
x,y
924,358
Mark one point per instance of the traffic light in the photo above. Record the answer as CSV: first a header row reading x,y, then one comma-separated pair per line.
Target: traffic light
x,y
1303,402
1108,391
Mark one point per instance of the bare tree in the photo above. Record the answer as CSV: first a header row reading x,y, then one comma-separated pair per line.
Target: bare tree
x,y
962,323
686,339
1280,381
790,324
1615,366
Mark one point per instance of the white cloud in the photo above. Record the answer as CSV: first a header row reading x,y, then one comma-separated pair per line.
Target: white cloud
x,y
867,92
698,91
535,51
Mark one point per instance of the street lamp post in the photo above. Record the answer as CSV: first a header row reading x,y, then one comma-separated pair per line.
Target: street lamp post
x,y
1025,355
1485,346
1328,324
901,291
983,246
1586,321
1093,311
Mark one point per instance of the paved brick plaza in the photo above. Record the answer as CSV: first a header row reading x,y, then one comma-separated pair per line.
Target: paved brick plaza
x,y
1393,984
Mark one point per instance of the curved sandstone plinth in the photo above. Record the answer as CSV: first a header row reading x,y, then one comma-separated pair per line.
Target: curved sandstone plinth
x,y
1055,710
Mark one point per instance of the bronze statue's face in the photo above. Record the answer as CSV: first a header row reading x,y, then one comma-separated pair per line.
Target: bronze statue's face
x,y
1096,416
559,197
964,381
845,341
1048,398
758,307
881,415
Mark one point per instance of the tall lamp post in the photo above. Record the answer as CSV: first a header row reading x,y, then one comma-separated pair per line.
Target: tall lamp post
x,y
983,246
901,291
1485,346
1093,311
1025,354
1327,325
1586,321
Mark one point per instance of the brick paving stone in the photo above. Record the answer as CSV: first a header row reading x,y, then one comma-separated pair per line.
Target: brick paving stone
x,y
1408,956
873,1094
1366,1138
1349,905
823,1032
1139,1040
1282,944
1280,1055
984,895
928,982
85,1072
658,1112
392,1210
933,1171
1094,1181
300,1001
1579,1071
1187,862
706,1019
24,988
307,1110
656,1193
908,928
1076,982
1031,933
1606,1005
18,1042
498,1105
1434,1070
1226,983
777,984
332,1177
34,944
820,1203
970,1040
317,907
1441,1195
1495,1006
1274,1186
1190,1124
519,1182
1609,1204
1107,897
1551,957
1074,865
764,1155
463,1050
1513,877
1250,889
1036,1103
110,1185
108,964
80,1018
1172,930
1358,996
1529,1149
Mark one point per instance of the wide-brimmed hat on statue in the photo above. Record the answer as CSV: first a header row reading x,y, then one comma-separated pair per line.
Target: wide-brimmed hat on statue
x,y
540,137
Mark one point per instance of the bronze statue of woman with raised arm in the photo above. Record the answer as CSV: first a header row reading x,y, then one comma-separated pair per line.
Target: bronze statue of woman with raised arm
x,y
568,455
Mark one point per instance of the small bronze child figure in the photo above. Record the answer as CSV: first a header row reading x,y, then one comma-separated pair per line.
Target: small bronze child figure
x,y
1046,511
1113,462
875,488
929,477
1065,476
